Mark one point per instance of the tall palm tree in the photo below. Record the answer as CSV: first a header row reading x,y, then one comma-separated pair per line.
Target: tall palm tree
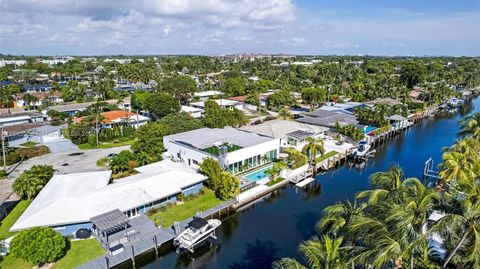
x,y
463,227
471,125
313,147
456,166
325,252
388,184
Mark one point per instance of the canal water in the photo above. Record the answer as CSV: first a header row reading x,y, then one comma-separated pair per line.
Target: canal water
x,y
273,227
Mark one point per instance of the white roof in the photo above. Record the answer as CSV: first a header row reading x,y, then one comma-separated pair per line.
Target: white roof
x,y
10,119
207,137
191,109
280,128
75,198
220,102
207,93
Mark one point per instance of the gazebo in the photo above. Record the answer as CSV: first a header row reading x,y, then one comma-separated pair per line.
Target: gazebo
x,y
108,223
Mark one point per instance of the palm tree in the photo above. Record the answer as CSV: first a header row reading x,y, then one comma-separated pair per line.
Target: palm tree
x,y
388,183
29,99
465,224
285,113
338,216
456,166
275,170
313,148
325,252
471,125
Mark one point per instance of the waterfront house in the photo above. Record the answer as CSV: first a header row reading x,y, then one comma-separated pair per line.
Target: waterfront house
x,y
344,108
236,150
68,202
291,134
328,119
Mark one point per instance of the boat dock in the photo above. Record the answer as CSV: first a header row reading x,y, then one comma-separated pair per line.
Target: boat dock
x,y
143,236
304,182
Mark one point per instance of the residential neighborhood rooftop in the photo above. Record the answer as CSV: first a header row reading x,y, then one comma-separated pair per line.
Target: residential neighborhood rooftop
x,y
76,198
208,137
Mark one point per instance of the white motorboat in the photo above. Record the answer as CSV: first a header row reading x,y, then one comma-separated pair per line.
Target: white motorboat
x,y
198,230
455,102
362,149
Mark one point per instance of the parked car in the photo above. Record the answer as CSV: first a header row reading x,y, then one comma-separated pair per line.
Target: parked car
x,y
111,155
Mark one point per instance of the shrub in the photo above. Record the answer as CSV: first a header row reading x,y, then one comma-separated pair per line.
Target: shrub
x,y
102,162
92,140
38,245
31,182
79,132
180,197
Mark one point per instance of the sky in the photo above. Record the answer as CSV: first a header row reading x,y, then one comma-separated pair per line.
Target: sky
x,y
320,27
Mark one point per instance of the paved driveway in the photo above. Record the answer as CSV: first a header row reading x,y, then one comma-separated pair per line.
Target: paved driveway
x,y
72,161
60,145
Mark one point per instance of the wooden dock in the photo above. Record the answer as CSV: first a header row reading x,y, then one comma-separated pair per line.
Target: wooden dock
x,y
151,239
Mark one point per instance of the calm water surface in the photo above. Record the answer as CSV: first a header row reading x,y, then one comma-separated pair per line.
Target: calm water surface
x,y
273,227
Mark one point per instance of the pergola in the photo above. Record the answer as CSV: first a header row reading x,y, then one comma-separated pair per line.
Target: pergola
x,y
108,223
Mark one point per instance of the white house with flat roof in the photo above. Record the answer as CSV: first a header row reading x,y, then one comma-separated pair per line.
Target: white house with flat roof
x,y
68,202
204,95
236,150
192,111
291,134
223,103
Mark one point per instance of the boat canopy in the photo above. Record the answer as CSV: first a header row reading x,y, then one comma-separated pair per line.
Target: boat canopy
x,y
197,223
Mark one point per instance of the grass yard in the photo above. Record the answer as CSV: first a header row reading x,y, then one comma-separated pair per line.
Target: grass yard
x,y
11,218
173,212
106,145
273,182
29,144
10,262
326,156
80,252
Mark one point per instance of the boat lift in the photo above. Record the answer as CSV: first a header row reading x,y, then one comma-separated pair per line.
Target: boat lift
x,y
429,172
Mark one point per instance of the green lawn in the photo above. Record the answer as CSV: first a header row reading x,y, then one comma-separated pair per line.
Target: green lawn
x,y
11,218
80,252
106,145
326,156
10,262
29,144
188,209
273,182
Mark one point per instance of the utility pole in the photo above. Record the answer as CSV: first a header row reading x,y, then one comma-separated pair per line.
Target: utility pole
x,y
96,126
3,152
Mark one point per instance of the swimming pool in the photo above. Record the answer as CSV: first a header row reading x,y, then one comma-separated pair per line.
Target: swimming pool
x,y
259,174
368,129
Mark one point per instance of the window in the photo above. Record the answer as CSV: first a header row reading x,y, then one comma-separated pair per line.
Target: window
x,y
292,142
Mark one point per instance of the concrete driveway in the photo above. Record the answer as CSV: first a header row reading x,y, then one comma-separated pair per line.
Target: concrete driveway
x,y
72,161
60,145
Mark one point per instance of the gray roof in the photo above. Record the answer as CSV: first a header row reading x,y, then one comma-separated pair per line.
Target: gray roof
x,y
207,137
328,118
300,134
280,128
109,220
397,117
45,129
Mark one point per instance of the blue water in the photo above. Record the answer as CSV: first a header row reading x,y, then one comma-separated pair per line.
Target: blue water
x,y
273,228
259,174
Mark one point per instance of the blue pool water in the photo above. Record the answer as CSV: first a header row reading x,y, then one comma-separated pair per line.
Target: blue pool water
x,y
368,129
259,174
